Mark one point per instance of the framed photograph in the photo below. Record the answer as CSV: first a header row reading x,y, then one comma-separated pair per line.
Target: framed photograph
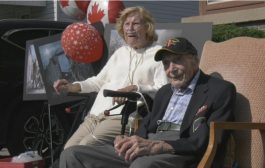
x,y
34,88
54,65
166,31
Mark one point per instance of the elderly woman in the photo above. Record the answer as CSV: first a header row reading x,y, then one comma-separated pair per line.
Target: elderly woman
x,y
130,68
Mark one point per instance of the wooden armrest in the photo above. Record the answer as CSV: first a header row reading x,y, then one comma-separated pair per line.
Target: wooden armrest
x,y
215,128
80,94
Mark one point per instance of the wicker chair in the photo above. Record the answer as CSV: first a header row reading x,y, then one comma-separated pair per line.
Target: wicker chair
x,y
240,60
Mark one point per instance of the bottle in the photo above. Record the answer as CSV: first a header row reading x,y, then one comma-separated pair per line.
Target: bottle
x,y
134,122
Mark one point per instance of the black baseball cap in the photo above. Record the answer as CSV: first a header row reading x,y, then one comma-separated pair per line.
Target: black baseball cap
x,y
177,45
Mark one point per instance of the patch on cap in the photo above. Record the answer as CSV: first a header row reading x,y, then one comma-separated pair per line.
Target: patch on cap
x,y
176,45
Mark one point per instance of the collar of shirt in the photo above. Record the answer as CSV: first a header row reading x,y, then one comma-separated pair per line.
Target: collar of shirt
x,y
190,88
139,50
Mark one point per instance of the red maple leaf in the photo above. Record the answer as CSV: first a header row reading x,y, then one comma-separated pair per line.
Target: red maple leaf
x,y
96,14
64,3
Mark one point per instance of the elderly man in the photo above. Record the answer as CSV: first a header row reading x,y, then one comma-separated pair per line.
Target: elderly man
x,y
176,132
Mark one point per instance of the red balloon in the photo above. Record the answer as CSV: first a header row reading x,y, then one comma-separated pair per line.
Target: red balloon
x,y
82,43
104,11
75,9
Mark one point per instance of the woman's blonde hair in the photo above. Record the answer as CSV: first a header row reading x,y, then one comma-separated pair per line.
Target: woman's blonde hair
x,y
146,17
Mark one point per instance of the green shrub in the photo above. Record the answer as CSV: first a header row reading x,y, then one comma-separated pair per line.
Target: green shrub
x,y
228,31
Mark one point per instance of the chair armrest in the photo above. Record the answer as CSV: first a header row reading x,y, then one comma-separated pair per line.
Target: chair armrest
x,y
84,103
215,128
85,95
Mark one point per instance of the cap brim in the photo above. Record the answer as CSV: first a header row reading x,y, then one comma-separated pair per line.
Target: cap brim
x,y
161,53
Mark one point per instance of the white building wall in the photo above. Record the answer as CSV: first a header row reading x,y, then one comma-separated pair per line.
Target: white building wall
x,y
10,12
43,13
168,11
162,11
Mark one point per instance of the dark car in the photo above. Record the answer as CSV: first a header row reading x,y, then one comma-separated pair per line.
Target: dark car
x,y
25,125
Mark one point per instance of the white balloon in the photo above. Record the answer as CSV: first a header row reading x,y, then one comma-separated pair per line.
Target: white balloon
x,y
105,11
71,9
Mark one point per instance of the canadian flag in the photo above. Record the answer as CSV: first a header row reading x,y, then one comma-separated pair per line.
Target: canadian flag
x,y
105,11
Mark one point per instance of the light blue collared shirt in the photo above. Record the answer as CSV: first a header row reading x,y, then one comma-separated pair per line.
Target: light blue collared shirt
x,y
179,102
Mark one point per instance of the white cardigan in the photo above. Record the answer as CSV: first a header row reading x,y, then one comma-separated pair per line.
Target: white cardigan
x,y
149,75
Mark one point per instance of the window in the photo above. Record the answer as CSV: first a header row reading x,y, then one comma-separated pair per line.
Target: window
x,y
24,3
220,6
17,37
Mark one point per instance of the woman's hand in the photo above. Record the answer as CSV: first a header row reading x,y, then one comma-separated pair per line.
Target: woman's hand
x,y
62,85
120,100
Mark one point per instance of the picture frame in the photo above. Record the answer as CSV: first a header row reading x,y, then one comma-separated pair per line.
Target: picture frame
x,y
166,31
33,88
54,65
